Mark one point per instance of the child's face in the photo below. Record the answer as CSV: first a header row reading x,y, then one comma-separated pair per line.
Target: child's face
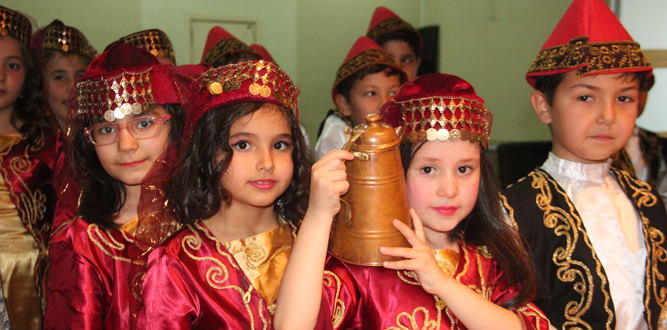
x,y
128,160
443,181
12,72
261,168
60,74
368,95
591,117
401,52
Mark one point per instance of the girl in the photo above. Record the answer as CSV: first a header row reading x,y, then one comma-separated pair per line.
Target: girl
x,y
62,53
465,261
28,150
128,109
239,188
398,38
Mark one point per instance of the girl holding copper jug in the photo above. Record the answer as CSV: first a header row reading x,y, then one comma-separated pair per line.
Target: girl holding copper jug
x,y
465,260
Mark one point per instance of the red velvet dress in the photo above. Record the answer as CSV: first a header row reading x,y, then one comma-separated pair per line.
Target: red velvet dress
x,y
93,280
195,282
358,297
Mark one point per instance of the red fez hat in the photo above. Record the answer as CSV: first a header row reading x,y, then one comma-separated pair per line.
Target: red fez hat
x,y
385,21
219,43
125,80
364,53
253,81
589,38
439,107
58,37
154,41
15,24
262,52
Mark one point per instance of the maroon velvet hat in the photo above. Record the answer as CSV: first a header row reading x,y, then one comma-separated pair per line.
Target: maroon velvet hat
x,y
253,81
125,80
15,24
590,39
219,43
58,37
439,107
364,53
155,41
385,21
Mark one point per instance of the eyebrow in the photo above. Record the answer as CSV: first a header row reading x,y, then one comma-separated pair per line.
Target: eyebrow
x,y
595,88
241,134
433,159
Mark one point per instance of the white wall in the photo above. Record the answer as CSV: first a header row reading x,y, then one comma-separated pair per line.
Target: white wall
x,y
646,21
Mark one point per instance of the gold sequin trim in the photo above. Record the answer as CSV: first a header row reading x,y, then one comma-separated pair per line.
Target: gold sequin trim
x,y
590,57
15,25
154,41
68,40
224,47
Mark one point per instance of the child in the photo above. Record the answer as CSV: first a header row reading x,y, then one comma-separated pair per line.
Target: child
x,y
364,82
398,38
596,233
468,269
62,53
156,42
222,48
28,151
128,108
240,187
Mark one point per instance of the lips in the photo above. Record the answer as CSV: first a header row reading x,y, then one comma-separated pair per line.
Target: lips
x,y
132,164
446,210
263,184
602,137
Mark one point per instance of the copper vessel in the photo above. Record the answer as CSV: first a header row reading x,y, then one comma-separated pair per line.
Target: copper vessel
x,y
376,197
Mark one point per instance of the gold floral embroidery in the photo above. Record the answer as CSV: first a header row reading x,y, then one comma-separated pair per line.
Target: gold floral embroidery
x,y
412,320
590,57
339,305
509,209
96,235
567,223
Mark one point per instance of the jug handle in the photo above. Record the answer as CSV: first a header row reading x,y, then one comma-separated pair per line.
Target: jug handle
x,y
350,138
347,212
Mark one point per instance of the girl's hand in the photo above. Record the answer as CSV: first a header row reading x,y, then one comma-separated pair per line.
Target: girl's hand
x,y
419,259
328,182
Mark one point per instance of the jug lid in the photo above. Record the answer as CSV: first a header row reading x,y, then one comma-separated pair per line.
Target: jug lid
x,y
374,132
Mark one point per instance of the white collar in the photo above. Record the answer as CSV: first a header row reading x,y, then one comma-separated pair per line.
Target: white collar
x,y
575,170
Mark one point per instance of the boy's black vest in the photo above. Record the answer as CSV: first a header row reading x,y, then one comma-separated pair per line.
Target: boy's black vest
x,y
574,290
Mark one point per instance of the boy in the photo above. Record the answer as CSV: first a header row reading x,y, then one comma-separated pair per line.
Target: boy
x,y
364,82
596,233
398,38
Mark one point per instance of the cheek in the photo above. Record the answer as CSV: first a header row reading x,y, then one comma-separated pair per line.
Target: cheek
x,y
417,195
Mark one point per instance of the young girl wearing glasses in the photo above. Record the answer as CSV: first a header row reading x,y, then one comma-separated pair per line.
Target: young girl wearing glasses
x,y
127,110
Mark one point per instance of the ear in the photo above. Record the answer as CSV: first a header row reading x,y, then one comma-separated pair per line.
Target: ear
x,y
540,106
419,62
343,105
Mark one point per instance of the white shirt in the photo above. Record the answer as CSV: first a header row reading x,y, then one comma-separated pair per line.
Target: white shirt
x,y
614,228
332,136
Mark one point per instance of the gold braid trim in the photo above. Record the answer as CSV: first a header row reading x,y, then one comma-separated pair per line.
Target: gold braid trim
x,y
567,223
225,47
590,57
364,59
390,25
339,305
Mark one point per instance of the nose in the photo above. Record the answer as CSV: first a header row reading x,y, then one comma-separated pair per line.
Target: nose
x,y
449,186
126,142
3,74
384,97
607,113
265,161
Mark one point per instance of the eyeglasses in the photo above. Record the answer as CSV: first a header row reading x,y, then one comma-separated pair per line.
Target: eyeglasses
x,y
140,128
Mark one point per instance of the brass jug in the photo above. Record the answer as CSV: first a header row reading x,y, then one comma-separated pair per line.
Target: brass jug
x,y
376,197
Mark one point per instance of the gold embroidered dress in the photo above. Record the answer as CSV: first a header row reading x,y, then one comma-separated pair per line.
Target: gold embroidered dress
x,y
196,282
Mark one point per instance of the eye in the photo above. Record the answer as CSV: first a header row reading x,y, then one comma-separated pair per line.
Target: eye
x,y
407,60
145,123
241,145
584,98
59,77
624,99
107,129
427,170
464,169
371,93
14,66
282,145
392,93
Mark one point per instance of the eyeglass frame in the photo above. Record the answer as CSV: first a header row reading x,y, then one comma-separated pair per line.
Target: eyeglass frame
x,y
160,120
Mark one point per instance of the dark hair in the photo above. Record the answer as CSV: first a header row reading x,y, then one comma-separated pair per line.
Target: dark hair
x,y
195,192
102,196
486,225
29,108
411,38
547,85
345,86
234,58
49,54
